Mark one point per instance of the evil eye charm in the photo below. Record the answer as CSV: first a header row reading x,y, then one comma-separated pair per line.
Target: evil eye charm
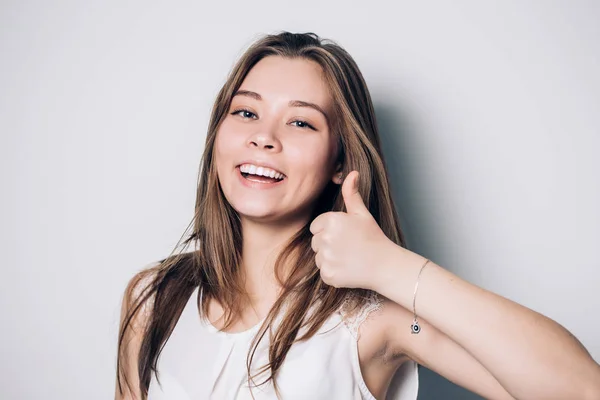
x,y
415,328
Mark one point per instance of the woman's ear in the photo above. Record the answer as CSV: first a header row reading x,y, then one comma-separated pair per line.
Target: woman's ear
x,y
338,175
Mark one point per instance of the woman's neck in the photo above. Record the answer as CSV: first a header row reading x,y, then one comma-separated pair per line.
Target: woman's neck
x,y
262,244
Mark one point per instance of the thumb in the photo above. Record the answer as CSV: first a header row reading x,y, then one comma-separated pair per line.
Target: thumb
x,y
352,199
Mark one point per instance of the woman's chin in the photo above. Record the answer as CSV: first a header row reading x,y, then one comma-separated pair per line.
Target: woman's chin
x,y
268,216
256,212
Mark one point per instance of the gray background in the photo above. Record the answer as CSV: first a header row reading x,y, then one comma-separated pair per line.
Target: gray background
x,y
489,112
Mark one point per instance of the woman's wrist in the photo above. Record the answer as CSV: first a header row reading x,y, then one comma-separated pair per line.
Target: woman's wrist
x,y
397,273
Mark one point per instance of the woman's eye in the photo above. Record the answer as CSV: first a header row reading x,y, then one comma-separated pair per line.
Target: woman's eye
x,y
303,124
244,114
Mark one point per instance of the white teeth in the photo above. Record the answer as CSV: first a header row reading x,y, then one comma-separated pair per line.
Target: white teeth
x,y
263,171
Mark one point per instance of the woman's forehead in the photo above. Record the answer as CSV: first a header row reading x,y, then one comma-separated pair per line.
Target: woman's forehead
x,y
277,78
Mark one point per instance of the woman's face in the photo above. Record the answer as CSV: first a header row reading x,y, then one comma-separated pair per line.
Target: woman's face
x,y
274,152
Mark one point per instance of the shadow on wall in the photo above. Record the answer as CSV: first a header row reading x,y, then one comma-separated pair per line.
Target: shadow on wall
x,y
403,154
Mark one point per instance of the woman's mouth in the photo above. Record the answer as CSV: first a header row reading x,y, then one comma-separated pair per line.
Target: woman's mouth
x,y
257,176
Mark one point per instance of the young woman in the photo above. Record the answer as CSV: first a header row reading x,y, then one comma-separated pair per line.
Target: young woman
x,y
299,284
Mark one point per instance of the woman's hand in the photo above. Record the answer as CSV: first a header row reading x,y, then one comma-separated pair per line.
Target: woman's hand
x,y
350,246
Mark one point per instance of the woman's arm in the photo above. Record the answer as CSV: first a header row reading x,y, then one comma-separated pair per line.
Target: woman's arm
x,y
431,349
530,355
132,339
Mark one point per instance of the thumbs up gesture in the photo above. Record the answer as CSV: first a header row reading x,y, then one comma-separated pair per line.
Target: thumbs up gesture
x,y
349,246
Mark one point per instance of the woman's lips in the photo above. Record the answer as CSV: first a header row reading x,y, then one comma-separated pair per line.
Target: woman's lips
x,y
256,183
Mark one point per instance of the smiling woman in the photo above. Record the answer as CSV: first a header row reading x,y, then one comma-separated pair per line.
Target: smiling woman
x,y
299,284
278,121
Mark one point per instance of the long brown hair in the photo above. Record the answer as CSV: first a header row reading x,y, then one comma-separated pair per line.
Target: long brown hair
x,y
160,293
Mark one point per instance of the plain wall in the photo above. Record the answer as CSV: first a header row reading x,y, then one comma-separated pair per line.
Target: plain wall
x,y
489,114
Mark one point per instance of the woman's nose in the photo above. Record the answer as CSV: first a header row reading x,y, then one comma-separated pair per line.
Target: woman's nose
x,y
264,140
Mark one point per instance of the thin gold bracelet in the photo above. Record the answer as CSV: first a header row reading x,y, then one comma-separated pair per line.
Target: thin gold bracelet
x,y
415,328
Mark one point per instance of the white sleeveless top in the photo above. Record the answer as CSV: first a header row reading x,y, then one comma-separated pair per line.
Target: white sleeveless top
x,y
200,362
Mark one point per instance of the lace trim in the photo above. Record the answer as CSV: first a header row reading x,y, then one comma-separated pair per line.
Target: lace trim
x,y
356,309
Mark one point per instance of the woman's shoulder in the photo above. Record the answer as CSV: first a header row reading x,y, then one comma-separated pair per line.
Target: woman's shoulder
x,y
149,277
143,278
138,292
152,282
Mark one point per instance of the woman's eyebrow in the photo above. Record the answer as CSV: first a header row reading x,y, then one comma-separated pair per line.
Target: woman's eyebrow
x,y
300,103
292,103
248,93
